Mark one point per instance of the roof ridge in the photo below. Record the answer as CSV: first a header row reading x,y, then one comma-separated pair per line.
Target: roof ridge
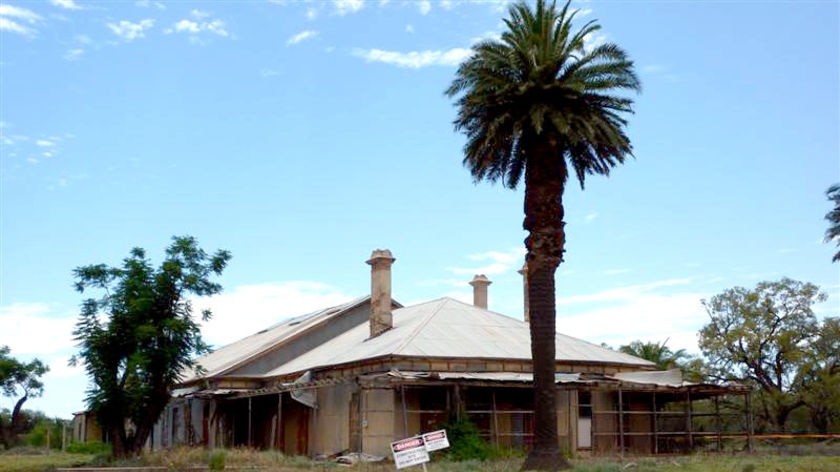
x,y
423,324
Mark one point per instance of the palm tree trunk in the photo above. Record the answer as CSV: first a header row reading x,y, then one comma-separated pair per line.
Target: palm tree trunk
x,y
544,222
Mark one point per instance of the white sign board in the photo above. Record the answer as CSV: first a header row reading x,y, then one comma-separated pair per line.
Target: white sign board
x,y
436,440
408,452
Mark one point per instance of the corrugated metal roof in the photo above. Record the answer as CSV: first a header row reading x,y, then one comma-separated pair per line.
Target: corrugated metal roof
x,y
659,378
242,351
448,328
672,378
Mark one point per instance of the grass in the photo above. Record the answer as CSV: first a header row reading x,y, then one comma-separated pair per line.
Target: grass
x,y
27,461
803,458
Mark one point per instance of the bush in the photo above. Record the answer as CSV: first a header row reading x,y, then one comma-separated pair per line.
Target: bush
x,y
465,443
216,460
90,447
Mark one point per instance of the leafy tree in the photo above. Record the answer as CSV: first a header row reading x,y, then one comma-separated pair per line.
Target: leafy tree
x,y
833,217
821,376
20,380
764,336
147,338
540,102
47,431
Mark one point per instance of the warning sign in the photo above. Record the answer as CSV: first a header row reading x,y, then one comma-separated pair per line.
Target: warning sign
x,y
408,452
436,440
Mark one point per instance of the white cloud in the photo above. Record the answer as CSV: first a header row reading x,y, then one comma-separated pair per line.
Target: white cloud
x,y
20,13
14,27
639,315
66,4
148,3
490,269
187,26
27,325
409,29
590,217
302,36
269,73
191,27
45,332
499,262
130,31
311,13
199,14
248,309
622,293
11,18
592,41
44,143
511,256
217,27
415,59
425,6
343,7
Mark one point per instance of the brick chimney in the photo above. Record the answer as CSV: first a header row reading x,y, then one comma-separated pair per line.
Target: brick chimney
x,y
380,291
480,284
524,272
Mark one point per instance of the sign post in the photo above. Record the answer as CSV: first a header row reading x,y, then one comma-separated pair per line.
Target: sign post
x,y
410,451
436,440
415,450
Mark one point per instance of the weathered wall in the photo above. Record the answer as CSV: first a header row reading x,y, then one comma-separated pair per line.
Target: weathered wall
x,y
566,418
378,420
604,422
639,419
331,432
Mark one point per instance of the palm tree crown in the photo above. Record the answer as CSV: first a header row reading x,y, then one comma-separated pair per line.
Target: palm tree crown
x,y
658,353
541,85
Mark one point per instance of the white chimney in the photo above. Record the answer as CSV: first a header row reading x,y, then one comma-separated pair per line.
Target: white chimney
x,y
380,291
480,283
524,273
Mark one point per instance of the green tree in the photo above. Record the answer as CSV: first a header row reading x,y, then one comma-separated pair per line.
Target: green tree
x,y
21,380
540,102
821,376
763,336
148,337
833,217
658,353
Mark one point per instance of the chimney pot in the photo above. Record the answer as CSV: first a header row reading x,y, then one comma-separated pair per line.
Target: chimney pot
x,y
480,283
380,291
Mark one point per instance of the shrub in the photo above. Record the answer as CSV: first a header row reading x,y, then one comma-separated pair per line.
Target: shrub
x,y
89,447
217,460
465,443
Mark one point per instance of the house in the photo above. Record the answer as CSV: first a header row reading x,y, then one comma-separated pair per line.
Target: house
x,y
357,376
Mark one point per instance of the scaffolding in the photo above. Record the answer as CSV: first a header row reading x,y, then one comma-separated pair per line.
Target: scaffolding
x,y
679,420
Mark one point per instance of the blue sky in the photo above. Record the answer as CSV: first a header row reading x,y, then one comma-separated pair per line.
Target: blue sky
x,y
302,135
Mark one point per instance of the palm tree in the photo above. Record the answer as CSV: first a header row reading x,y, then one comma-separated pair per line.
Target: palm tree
x,y
658,353
833,217
540,102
